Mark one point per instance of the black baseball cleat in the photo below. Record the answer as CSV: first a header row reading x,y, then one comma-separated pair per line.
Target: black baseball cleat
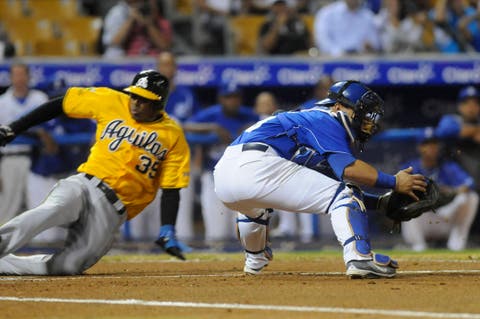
x,y
169,246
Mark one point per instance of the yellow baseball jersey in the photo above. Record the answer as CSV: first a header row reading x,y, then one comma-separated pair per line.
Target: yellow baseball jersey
x,y
135,159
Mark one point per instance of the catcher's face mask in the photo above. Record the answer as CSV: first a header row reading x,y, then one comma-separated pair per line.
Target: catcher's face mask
x,y
366,104
368,112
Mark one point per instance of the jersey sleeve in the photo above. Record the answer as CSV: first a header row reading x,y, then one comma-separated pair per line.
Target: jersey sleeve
x,y
456,176
335,145
448,127
338,162
175,170
88,102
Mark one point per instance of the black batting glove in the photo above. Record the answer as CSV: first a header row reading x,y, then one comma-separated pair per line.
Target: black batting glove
x,y
6,135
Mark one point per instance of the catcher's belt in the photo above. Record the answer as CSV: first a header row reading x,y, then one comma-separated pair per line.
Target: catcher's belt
x,y
255,147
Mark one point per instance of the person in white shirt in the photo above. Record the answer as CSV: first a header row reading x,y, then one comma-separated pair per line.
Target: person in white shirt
x,y
345,27
18,100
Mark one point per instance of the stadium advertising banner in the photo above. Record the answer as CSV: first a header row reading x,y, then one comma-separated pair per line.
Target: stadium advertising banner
x,y
267,72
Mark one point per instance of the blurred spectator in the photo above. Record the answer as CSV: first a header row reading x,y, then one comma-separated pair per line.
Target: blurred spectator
x,y
95,7
462,131
211,24
7,49
227,120
320,92
469,27
404,27
302,6
259,7
455,215
284,31
263,6
182,102
15,159
447,15
51,161
265,104
345,27
135,28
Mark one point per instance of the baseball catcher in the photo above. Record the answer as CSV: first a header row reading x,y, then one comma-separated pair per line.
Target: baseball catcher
x,y
277,161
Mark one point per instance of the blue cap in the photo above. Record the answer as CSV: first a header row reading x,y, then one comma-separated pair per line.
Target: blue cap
x,y
468,92
228,89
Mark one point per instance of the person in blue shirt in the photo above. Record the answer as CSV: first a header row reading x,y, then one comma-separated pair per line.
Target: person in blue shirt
x,y
453,25
303,162
455,215
227,119
461,131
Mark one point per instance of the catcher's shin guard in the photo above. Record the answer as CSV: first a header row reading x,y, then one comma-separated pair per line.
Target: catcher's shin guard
x,y
350,223
253,235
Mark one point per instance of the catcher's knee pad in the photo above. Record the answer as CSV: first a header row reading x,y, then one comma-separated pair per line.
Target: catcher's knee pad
x,y
253,232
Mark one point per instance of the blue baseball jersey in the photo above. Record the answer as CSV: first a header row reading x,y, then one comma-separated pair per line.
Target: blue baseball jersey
x,y
235,125
181,103
315,128
447,173
69,156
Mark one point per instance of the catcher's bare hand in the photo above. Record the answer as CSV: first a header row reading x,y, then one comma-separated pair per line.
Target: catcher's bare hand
x,y
407,182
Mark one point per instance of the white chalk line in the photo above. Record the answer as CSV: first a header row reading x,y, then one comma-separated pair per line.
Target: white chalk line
x,y
236,274
196,260
181,304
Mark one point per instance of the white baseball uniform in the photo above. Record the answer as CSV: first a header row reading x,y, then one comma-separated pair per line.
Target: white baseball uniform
x,y
15,162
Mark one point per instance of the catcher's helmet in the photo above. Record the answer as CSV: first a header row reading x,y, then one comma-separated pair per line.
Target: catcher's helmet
x,y
150,85
366,104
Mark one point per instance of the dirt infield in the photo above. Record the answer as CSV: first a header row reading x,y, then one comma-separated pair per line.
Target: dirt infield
x,y
295,285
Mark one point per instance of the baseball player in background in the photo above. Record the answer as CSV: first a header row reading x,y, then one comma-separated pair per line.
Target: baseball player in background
x,y
15,159
463,129
227,119
138,149
302,161
454,217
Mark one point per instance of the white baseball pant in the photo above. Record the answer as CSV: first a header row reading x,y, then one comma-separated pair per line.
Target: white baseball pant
x,y
452,221
250,181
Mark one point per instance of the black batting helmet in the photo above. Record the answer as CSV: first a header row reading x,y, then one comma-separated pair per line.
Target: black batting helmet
x,y
150,85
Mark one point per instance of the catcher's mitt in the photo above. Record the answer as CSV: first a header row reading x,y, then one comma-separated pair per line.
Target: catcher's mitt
x,y
401,207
